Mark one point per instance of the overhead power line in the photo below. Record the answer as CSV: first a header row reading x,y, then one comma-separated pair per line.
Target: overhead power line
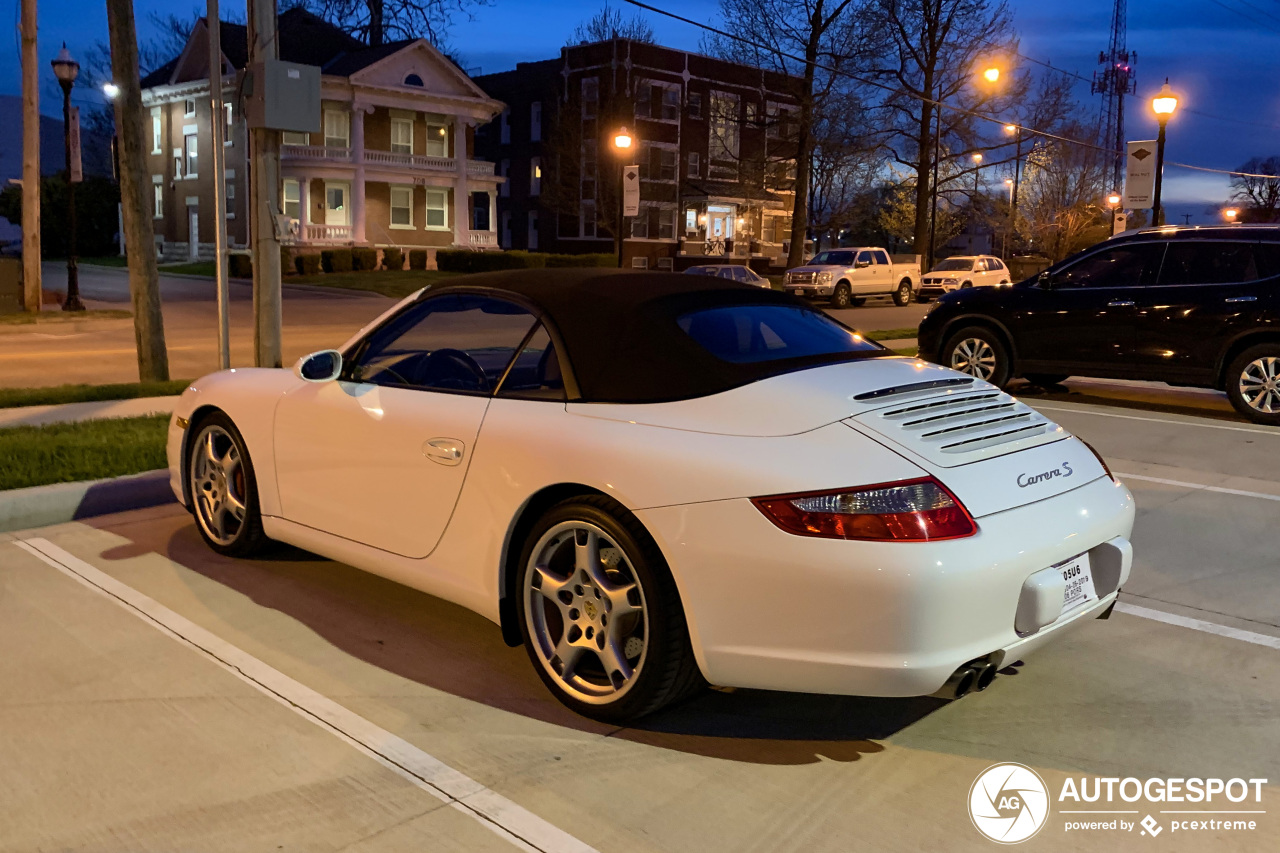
x,y
875,84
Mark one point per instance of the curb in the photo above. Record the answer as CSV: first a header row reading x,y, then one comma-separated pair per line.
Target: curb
x,y
313,288
39,506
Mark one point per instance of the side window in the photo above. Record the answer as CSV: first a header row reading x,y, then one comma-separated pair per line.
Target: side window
x,y
864,258
1197,262
453,342
727,272
1133,265
535,374
882,257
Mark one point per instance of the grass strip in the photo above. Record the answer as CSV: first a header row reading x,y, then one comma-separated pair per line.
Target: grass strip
x,y
90,450
394,283
891,334
57,315
11,398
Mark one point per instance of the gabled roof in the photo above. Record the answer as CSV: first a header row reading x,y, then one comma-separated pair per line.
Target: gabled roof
x,y
346,64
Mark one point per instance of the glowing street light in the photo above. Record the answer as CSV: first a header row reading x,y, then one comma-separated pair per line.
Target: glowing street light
x,y
1230,214
111,90
622,140
991,75
1163,104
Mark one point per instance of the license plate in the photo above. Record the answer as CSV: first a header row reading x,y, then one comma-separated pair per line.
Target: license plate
x,y
1079,581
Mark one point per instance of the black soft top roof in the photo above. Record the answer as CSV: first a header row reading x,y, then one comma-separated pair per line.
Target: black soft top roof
x,y
620,334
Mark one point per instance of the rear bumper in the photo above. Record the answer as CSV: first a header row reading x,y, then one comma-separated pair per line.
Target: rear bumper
x,y
771,610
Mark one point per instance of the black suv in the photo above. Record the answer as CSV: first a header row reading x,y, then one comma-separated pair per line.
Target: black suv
x,y
1185,305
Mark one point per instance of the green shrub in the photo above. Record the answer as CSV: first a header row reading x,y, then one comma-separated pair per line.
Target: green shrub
x,y
465,260
417,259
336,260
393,259
597,259
531,260
364,259
240,266
307,264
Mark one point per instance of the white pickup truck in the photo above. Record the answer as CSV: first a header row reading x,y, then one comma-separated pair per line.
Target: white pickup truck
x,y
849,276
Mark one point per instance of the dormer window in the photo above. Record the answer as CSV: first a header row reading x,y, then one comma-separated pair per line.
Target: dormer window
x,y
413,80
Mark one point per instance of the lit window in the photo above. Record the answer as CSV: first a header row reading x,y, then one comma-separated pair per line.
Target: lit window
x,y
437,209
402,135
155,130
292,198
535,176
437,136
337,129
402,207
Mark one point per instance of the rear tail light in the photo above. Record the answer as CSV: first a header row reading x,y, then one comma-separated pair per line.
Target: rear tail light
x,y
907,511
1101,461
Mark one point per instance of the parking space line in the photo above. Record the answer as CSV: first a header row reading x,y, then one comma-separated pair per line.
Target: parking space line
x,y
1200,486
495,812
1200,625
1206,425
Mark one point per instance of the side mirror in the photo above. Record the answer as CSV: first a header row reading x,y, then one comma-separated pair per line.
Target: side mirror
x,y
323,366
1046,280
861,264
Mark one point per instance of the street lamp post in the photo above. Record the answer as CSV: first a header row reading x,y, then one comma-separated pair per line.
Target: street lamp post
x,y
1230,214
1113,202
622,142
1016,130
67,69
937,152
1164,104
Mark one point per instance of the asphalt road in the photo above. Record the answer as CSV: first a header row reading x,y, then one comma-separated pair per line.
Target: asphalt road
x,y
310,700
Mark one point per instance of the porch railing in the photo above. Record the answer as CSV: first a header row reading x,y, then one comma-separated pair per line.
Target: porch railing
x,y
327,233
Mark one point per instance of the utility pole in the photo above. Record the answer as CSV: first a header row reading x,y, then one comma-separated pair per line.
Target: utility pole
x,y
135,195
213,21
31,295
264,198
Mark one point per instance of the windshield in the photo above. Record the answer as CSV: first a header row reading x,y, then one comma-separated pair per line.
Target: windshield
x,y
750,334
954,265
833,259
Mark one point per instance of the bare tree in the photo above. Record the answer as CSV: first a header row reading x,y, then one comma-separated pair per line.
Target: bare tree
x,y
1061,208
846,167
378,21
609,23
1260,197
815,43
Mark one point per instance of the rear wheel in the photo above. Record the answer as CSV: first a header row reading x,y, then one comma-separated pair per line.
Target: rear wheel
x,y
1045,379
842,296
601,618
978,351
223,488
1253,383
902,296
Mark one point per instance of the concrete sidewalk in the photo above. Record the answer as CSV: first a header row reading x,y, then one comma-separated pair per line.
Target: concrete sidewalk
x,y
66,413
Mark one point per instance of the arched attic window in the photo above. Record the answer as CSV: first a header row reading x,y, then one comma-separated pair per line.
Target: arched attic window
x,y
413,80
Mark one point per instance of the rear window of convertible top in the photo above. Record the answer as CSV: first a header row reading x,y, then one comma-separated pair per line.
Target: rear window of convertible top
x,y
748,334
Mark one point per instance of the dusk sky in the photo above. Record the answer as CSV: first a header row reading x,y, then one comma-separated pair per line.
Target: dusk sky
x,y
1214,52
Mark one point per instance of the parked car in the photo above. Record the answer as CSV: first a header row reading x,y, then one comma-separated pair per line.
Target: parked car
x,y
1197,305
960,272
666,483
849,276
733,272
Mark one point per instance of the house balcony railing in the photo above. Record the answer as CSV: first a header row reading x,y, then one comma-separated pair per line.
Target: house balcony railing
x,y
326,233
484,239
320,154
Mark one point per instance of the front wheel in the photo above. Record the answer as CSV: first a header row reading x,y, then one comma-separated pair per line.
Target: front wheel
x,y
842,296
902,296
1253,383
979,352
601,618
223,489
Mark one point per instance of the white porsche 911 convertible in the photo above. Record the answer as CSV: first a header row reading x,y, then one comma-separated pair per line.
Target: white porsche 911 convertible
x,y
654,481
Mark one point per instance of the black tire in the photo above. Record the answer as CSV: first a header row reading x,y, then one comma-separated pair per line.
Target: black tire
x,y
208,494
1044,380
1251,368
1000,367
666,670
965,285
923,299
902,296
842,297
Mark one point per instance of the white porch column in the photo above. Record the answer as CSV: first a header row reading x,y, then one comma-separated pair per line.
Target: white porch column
x,y
461,191
357,183
304,196
493,210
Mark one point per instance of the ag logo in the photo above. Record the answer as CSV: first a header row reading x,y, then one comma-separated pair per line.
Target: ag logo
x,y
1008,803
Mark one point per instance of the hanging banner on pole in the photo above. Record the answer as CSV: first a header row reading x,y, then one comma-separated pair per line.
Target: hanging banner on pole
x,y
631,191
1121,222
1140,174
77,174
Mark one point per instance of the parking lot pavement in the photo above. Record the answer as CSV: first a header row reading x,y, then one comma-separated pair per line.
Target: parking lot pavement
x,y
739,770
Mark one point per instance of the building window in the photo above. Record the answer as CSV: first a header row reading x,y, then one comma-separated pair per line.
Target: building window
x,y
588,219
437,136
590,97
695,105
644,99
751,109
191,151
640,224
667,223
413,80
480,212
779,120
535,121
230,120
189,107
504,169
533,229
437,209
663,166
177,164
292,204
535,176
723,141
157,196
402,207
337,129
402,135
155,131
504,127
671,103
695,163
290,137
691,220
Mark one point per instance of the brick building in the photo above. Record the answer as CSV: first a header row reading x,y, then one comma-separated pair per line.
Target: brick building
x,y
714,142
393,164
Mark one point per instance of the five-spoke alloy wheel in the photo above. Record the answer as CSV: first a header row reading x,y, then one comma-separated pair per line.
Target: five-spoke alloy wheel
x,y
1253,384
222,488
978,352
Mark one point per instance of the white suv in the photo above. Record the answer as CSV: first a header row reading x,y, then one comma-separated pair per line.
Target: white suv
x,y
963,271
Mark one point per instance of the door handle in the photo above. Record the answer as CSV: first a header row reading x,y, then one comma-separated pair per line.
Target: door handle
x,y
1241,299
446,451
1120,304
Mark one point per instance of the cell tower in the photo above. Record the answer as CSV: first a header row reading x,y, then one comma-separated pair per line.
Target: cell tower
x,y
1113,81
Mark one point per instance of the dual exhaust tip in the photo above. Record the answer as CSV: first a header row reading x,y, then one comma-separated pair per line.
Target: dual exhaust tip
x,y
971,677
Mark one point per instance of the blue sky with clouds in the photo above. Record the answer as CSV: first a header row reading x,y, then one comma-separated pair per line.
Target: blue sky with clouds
x,y
1220,55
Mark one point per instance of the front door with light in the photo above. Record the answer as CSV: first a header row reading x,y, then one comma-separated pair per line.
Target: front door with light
x,y
719,228
337,203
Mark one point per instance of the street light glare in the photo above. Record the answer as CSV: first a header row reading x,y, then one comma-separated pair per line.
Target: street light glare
x,y
622,139
1010,128
1230,213
1113,199
977,156
1008,182
111,90
992,74
1165,102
